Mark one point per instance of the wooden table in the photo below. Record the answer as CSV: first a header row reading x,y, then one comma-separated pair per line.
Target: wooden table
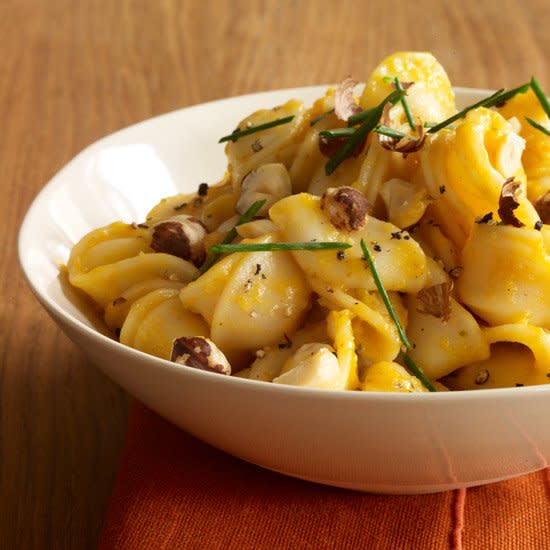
x,y
72,71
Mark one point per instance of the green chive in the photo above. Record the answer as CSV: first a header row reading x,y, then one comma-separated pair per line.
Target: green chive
x,y
317,119
488,100
390,132
359,118
538,126
506,96
430,124
543,100
384,295
253,129
404,103
409,363
417,371
269,247
230,237
360,133
337,133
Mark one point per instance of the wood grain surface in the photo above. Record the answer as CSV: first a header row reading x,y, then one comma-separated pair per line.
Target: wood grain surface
x,y
72,71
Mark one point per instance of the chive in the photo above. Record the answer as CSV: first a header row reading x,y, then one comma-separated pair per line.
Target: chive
x,y
360,133
417,371
430,124
317,119
384,295
409,363
404,103
488,100
543,100
506,96
390,132
337,133
268,247
230,237
538,126
234,136
359,118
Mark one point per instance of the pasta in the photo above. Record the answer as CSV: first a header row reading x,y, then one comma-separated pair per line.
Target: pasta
x,y
379,242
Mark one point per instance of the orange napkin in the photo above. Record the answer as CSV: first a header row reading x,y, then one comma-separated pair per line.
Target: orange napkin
x,y
174,491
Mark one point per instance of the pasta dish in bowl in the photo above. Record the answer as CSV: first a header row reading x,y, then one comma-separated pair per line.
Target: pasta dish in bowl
x,y
386,245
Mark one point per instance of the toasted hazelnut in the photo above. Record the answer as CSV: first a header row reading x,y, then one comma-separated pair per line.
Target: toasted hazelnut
x,y
542,205
199,353
346,208
270,182
181,236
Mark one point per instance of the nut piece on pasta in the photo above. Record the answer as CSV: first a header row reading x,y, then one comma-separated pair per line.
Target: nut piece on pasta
x,y
181,236
199,353
542,205
346,208
509,201
270,182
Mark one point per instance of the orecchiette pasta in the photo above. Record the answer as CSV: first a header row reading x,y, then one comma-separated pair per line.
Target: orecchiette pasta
x,y
381,243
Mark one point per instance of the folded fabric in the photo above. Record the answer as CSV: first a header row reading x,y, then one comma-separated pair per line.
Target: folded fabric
x,y
173,491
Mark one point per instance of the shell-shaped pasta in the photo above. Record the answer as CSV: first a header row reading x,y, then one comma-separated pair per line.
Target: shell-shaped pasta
x,y
387,376
156,319
106,283
251,300
211,209
431,98
106,245
313,365
400,260
464,169
309,159
536,157
117,310
441,347
341,331
277,144
520,355
405,202
506,275
374,332
271,359
201,296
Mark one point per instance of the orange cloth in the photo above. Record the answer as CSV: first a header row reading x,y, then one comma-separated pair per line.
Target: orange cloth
x,y
175,492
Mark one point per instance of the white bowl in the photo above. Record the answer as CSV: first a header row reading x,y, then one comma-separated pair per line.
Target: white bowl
x,y
378,442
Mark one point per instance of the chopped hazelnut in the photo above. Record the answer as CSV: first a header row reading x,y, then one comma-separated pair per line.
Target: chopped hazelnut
x,y
181,236
509,201
346,208
199,353
542,206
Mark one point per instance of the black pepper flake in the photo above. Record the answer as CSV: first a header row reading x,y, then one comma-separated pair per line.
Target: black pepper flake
x,y
538,225
180,206
264,276
340,254
143,226
258,269
396,235
257,146
286,344
519,385
407,237
548,375
442,189
377,247
485,219
203,189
